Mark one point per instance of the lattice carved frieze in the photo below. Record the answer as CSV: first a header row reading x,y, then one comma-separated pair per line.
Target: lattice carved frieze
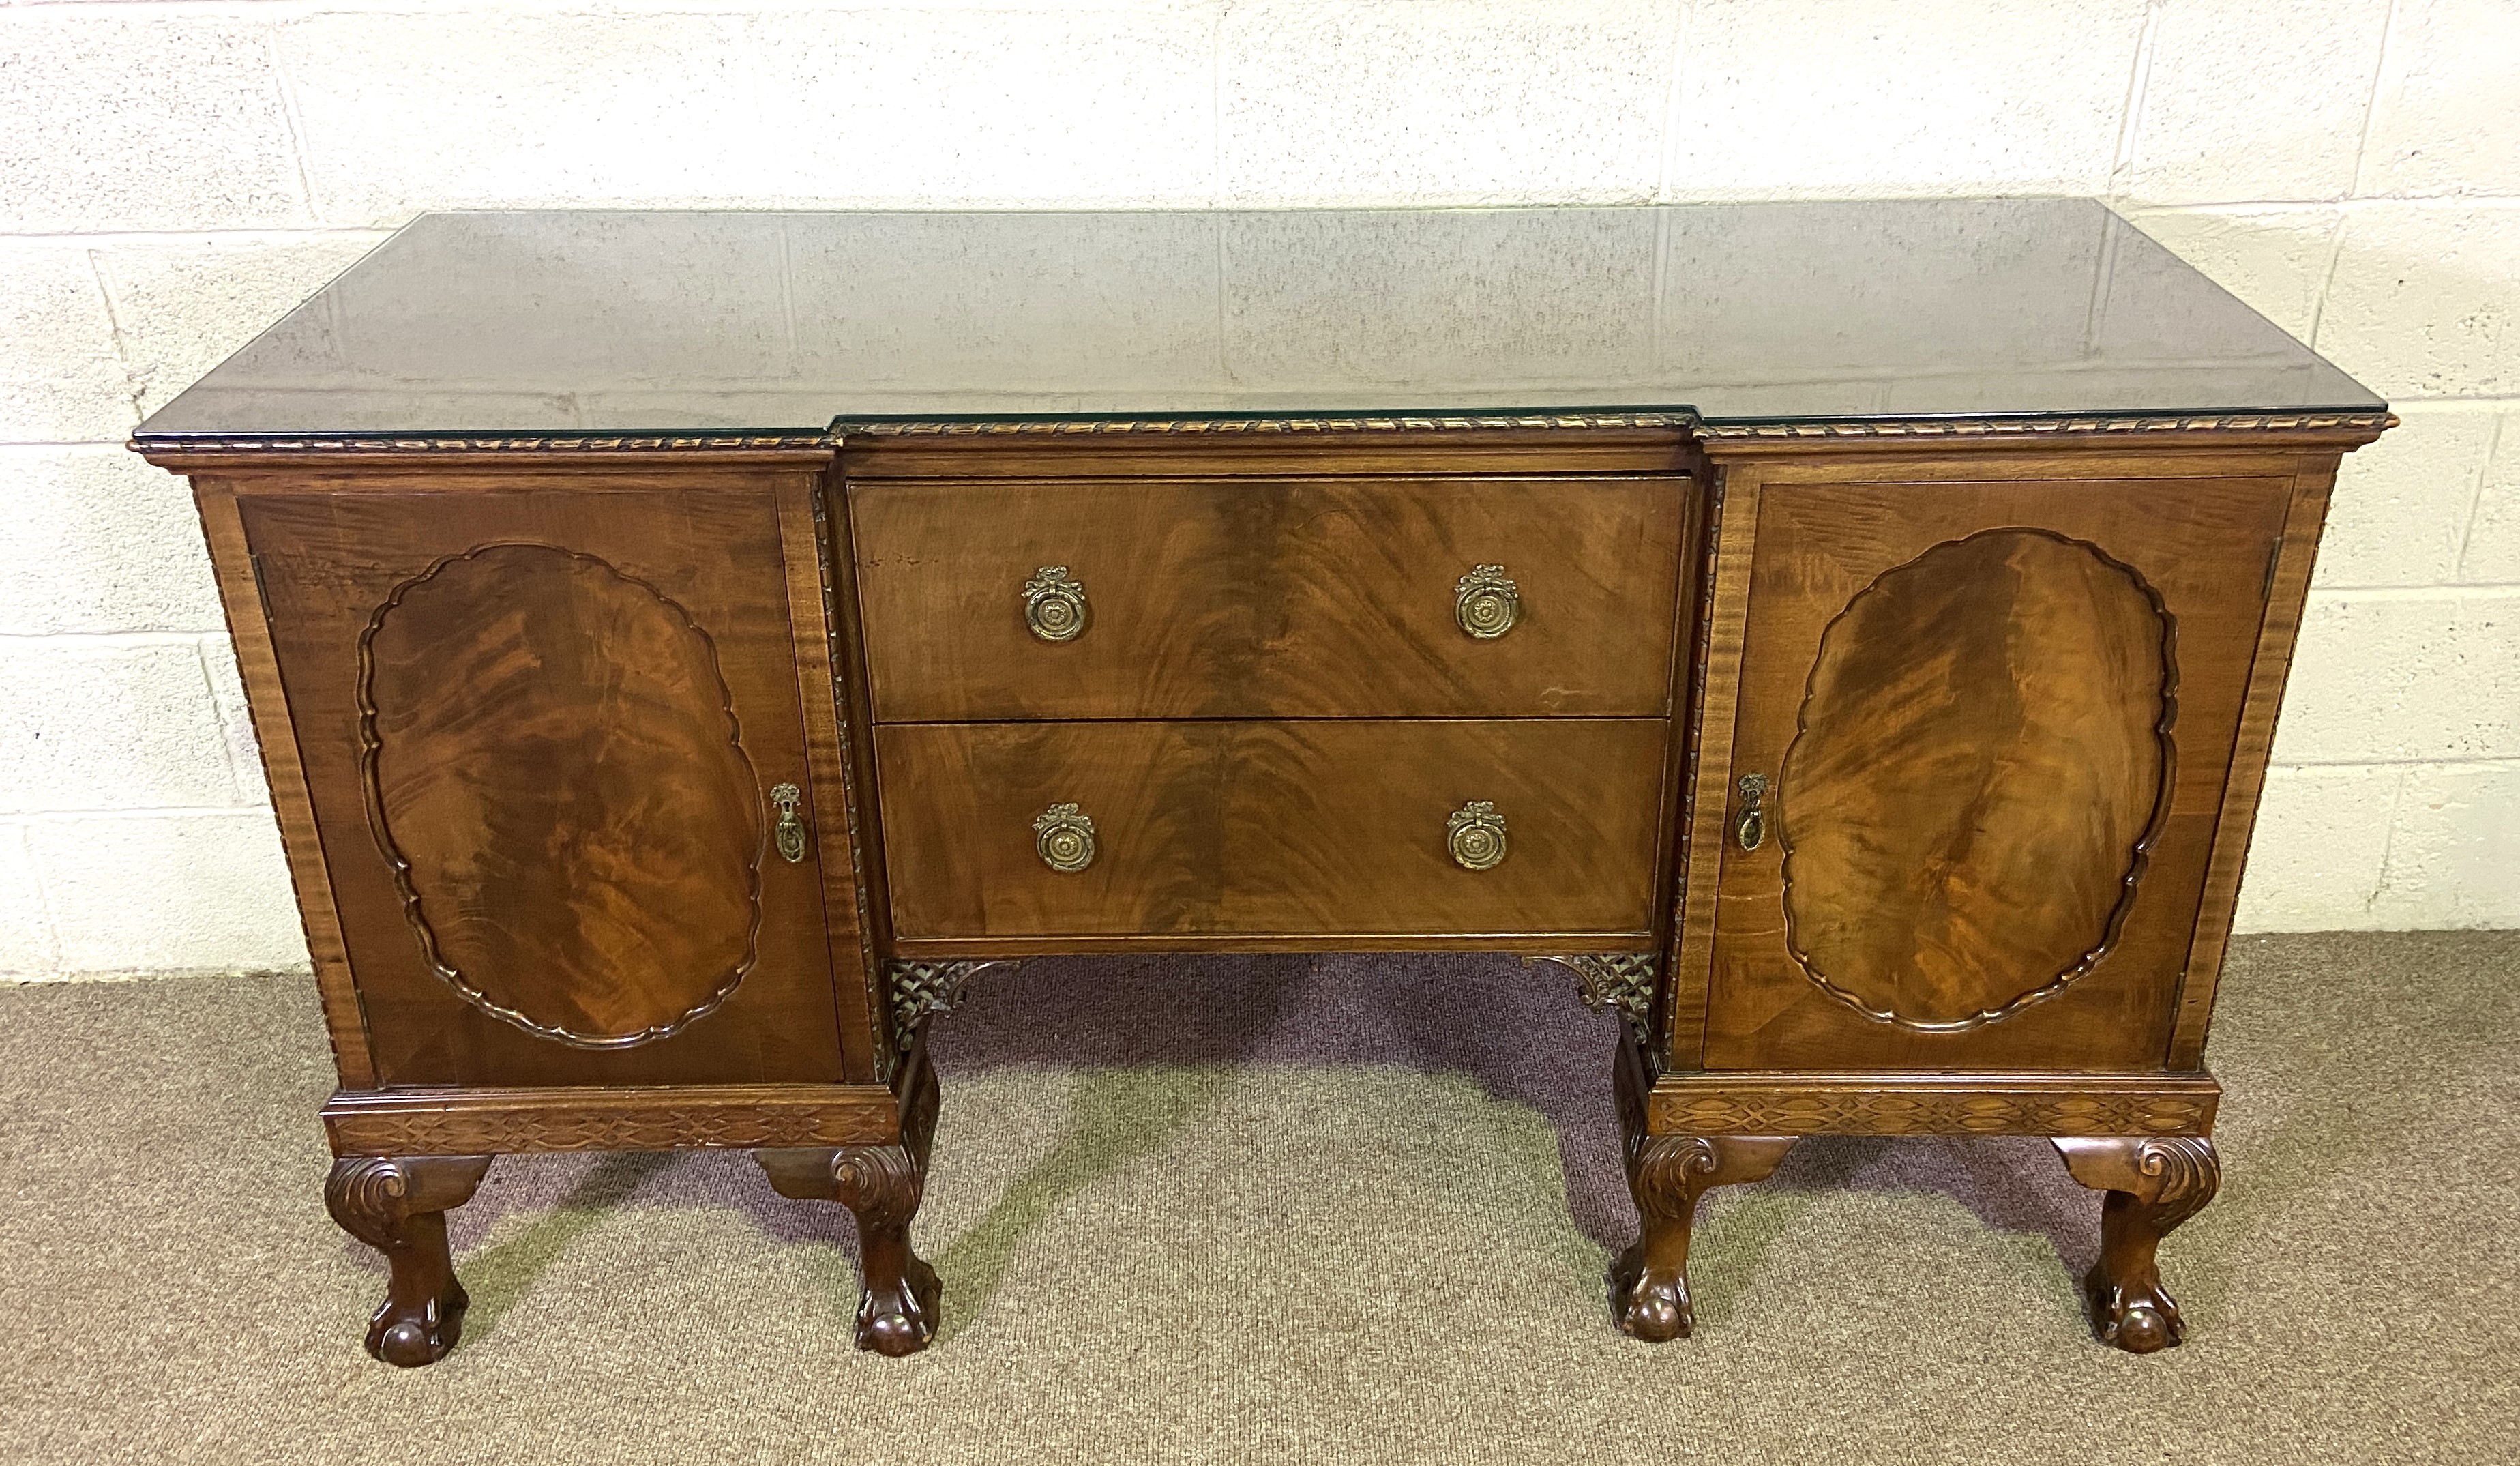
x,y
1893,1112
662,1126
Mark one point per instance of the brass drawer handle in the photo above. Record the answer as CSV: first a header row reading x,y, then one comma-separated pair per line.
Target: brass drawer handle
x,y
1485,603
1476,833
1055,604
789,832
1751,828
1063,838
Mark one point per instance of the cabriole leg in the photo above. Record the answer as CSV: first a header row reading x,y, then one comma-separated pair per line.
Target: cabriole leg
x,y
1667,1175
881,1185
2155,1182
397,1204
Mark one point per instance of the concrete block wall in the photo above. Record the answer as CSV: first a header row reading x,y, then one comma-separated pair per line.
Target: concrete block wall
x,y
174,173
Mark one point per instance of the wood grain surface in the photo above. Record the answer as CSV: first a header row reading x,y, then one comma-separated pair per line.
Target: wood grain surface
x,y
1269,597
1257,828
578,836
248,620
2297,555
1988,901
841,759
577,783
1714,700
1981,749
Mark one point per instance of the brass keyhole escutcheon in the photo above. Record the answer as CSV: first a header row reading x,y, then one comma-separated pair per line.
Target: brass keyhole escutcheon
x,y
789,832
1751,828
1063,838
1485,602
1476,833
1055,604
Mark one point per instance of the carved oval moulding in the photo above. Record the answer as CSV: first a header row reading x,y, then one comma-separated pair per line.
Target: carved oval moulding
x,y
555,772
1981,765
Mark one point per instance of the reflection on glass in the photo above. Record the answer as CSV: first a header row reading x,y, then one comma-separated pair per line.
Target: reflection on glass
x,y
783,322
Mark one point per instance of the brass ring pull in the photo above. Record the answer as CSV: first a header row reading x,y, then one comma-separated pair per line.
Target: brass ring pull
x,y
1485,602
1751,828
1063,838
789,832
1055,604
1476,833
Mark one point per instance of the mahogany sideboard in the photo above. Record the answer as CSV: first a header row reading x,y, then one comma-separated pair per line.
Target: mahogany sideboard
x,y
686,648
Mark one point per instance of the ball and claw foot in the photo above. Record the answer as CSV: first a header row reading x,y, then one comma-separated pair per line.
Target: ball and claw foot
x,y
2138,1322
2153,1183
398,1204
400,1338
1653,1309
904,1322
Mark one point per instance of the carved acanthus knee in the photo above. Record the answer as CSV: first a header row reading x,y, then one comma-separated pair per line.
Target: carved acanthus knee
x,y
397,1204
2153,1183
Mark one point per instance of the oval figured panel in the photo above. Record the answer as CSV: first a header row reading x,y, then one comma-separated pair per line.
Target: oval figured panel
x,y
553,769
1978,770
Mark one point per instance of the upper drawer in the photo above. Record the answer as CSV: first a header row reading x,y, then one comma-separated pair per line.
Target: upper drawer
x,y
1296,598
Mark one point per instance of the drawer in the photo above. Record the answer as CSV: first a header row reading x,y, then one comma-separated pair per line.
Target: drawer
x,y
1257,829
1299,598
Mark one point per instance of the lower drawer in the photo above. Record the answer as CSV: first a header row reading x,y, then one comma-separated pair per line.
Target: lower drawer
x,y
1270,829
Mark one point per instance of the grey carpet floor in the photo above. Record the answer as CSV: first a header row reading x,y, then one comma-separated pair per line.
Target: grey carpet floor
x,y
1280,1210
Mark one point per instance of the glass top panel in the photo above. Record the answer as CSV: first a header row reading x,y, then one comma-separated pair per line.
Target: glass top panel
x,y
562,322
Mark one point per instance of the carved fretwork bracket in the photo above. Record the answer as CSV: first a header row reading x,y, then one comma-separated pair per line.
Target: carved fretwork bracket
x,y
918,991
1621,983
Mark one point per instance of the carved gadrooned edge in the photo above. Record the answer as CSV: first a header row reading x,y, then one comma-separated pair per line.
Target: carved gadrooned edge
x,y
2060,427
1231,426
1962,1111
1620,983
922,990
539,442
402,1124
1979,426
1226,426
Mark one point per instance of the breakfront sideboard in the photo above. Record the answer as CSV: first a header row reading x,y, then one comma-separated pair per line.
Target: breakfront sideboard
x,y
688,649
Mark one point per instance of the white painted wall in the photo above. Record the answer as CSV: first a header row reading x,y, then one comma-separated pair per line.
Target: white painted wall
x,y
174,174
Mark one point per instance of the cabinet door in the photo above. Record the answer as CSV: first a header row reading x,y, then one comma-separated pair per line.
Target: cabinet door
x,y
1994,719
547,734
